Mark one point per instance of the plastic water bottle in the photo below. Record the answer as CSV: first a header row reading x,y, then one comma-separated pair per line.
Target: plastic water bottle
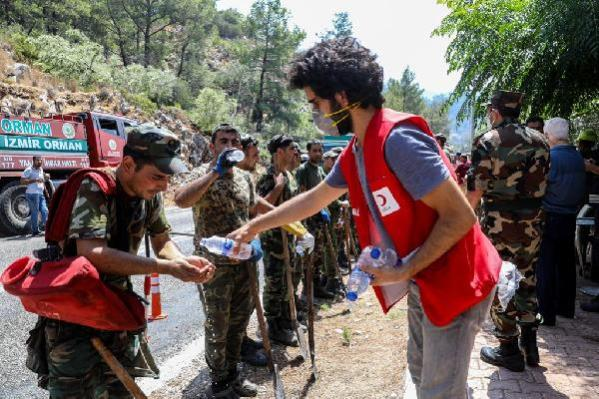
x,y
235,156
224,246
359,280
305,244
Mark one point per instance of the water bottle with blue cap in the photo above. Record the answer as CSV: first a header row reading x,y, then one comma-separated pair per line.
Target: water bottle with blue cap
x,y
359,280
224,246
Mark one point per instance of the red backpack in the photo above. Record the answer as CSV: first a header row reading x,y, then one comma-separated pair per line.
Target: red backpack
x,y
70,288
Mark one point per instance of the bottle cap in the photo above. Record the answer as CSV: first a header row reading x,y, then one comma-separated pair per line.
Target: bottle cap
x,y
375,253
351,296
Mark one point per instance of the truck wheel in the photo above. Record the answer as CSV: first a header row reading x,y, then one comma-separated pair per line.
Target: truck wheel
x,y
14,209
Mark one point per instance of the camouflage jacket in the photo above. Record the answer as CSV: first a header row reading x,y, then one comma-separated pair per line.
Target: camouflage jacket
x,y
510,165
95,216
271,240
224,207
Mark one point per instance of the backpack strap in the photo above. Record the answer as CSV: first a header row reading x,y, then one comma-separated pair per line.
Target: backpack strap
x,y
61,206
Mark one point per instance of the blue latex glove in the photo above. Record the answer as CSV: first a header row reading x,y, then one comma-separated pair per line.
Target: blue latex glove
x,y
222,163
256,250
326,216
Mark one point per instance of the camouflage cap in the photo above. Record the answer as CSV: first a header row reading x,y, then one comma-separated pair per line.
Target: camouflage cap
x,y
158,145
330,154
508,100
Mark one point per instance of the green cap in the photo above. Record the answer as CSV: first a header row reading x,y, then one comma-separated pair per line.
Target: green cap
x,y
587,135
509,100
158,145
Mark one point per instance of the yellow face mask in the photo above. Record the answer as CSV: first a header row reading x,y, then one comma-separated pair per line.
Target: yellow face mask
x,y
339,113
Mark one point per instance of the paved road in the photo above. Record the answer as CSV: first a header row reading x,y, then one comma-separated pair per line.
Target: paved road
x,y
179,300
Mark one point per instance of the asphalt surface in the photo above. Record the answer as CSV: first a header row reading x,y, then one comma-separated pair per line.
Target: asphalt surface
x,y
180,302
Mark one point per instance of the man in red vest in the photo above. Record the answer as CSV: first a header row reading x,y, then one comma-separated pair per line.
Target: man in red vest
x,y
404,196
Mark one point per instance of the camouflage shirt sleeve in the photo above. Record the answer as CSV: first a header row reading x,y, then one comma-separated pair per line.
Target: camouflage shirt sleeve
x,y
157,222
90,212
300,177
253,194
481,170
265,184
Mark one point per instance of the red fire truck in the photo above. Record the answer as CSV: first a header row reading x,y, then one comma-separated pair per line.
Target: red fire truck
x,y
65,142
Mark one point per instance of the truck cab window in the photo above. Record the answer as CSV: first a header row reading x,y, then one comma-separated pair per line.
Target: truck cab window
x,y
109,126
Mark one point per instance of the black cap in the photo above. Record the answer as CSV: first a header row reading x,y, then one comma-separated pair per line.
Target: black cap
x,y
506,100
248,140
279,141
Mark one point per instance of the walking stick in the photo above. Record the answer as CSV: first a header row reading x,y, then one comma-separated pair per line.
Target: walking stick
x,y
277,380
301,335
308,279
331,249
348,235
118,369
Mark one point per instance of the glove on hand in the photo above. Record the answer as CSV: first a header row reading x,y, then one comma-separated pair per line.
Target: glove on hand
x,y
256,250
223,164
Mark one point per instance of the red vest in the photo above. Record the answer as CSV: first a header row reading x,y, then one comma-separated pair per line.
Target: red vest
x,y
456,281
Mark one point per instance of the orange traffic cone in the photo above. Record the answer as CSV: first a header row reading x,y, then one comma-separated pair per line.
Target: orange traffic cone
x,y
156,305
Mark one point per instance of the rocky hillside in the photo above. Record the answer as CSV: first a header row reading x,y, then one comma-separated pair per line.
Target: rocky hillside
x,y
25,91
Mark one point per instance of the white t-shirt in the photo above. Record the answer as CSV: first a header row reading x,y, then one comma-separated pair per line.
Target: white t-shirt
x,y
32,173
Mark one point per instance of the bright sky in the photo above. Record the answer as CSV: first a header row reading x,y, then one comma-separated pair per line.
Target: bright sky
x,y
399,31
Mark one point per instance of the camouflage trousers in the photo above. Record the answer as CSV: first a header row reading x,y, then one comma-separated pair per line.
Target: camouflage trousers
x,y
517,238
323,263
341,246
228,307
275,296
76,370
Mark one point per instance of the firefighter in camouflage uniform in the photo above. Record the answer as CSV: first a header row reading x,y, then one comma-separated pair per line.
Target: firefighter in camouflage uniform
x,y
510,164
75,369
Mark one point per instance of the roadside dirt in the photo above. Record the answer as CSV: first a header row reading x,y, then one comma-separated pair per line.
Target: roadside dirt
x,y
360,354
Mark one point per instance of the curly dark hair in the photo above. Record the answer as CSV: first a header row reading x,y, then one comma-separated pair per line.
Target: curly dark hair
x,y
337,65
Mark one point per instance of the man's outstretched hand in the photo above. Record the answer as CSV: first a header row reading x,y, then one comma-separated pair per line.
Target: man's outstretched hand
x,y
243,234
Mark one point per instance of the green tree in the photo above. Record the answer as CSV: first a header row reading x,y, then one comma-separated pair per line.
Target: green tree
x,y
548,49
73,57
405,95
211,108
229,23
191,34
436,114
273,45
46,16
342,27
152,18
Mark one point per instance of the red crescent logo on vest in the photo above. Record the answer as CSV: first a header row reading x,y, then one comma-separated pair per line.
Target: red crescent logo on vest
x,y
385,201
381,200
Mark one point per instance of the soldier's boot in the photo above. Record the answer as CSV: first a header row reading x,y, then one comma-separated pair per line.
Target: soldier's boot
x,y
343,263
281,335
528,345
506,355
334,285
591,306
242,386
223,390
252,355
321,292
